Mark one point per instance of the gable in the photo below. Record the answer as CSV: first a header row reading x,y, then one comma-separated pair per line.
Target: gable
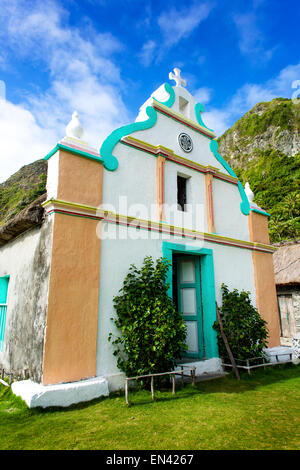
x,y
158,127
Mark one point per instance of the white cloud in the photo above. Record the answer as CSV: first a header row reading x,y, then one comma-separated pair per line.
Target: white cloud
x,y
279,86
177,24
248,95
217,120
82,73
22,140
251,38
203,95
147,53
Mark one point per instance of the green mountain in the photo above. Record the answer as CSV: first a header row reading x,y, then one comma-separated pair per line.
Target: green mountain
x,y
263,148
21,189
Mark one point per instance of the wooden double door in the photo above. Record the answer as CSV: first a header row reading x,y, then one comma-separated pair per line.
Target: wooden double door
x,y
189,300
287,316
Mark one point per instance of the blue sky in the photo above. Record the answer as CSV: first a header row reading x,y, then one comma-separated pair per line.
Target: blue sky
x,y
104,58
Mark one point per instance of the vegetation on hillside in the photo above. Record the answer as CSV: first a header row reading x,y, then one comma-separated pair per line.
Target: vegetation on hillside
x,y
281,113
275,179
21,189
258,148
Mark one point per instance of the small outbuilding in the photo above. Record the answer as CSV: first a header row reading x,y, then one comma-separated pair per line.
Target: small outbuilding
x,y
287,279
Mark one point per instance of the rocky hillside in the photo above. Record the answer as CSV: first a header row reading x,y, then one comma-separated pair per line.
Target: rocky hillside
x,y
263,148
21,189
271,125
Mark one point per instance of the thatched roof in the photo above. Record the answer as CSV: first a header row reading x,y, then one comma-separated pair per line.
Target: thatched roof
x,y
29,217
287,264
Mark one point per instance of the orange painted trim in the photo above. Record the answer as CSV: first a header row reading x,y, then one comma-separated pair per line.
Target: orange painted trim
x,y
72,316
258,228
80,179
266,298
69,208
209,204
160,187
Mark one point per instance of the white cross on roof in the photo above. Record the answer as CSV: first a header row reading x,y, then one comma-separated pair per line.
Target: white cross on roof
x,y
176,76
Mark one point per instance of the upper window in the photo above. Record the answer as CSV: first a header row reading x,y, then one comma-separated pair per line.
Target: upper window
x,y
184,107
181,192
3,307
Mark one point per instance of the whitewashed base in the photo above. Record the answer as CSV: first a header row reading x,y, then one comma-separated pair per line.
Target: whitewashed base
x,y
208,366
67,394
116,381
283,353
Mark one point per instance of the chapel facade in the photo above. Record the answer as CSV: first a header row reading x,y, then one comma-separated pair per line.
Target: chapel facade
x,y
158,187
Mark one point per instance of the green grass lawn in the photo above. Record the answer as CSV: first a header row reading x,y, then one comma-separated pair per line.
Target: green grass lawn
x,y
262,411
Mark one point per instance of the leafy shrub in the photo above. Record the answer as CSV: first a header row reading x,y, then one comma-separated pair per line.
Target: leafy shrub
x,y
244,328
152,331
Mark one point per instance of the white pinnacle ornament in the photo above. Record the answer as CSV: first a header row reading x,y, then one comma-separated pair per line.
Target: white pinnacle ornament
x,y
74,128
248,192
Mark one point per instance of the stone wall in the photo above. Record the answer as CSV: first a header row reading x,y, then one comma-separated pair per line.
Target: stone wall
x,y
26,260
296,306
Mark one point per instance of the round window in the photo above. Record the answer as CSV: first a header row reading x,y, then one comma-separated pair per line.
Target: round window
x,y
185,142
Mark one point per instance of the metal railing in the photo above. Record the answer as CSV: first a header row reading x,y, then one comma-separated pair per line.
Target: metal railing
x,y
3,310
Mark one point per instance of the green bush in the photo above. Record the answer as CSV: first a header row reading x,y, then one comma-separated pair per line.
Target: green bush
x,y
244,328
152,331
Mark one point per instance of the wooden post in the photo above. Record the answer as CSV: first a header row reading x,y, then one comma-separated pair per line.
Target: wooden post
x,y
249,372
152,387
126,391
226,344
173,381
182,377
193,377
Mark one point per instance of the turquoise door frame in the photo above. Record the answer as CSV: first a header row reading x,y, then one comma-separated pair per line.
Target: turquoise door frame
x,y
4,280
193,316
207,289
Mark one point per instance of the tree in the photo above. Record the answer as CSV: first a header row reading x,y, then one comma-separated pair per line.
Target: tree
x,y
152,331
244,328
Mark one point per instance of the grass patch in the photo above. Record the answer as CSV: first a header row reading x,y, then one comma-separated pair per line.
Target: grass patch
x,y
259,412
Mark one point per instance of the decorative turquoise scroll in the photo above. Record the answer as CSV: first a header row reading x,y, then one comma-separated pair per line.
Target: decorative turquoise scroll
x,y
170,101
245,205
109,160
199,108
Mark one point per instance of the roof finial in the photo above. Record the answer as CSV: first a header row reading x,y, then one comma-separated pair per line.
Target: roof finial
x,y
74,128
248,192
176,76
